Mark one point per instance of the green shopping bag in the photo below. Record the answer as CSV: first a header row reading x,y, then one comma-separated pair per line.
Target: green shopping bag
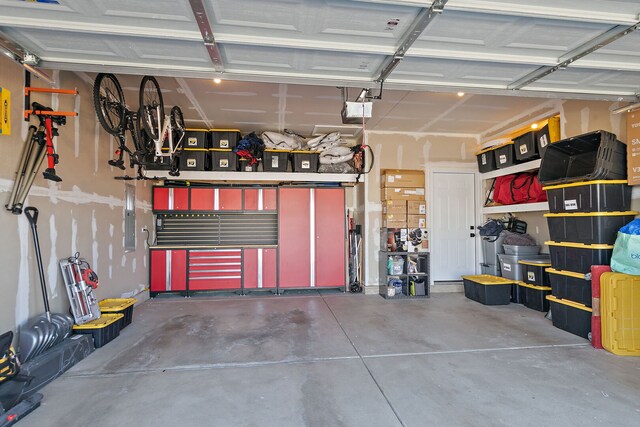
x,y
626,249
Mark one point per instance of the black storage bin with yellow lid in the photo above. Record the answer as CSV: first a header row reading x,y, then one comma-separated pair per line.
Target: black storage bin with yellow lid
x,y
275,160
195,138
591,156
225,138
589,196
103,330
534,272
194,159
570,316
534,297
570,286
223,160
505,155
525,147
122,306
548,134
486,160
488,290
305,161
587,227
578,257
246,165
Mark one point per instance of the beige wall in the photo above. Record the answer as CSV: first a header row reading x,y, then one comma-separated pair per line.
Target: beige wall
x,y
403,151
82,213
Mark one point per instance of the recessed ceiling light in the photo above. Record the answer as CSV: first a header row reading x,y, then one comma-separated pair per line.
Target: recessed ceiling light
x,y
217,80
534,126
460,94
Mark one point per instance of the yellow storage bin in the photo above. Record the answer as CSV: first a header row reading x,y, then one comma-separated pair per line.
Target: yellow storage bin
x,y
620,313
122,306
103,330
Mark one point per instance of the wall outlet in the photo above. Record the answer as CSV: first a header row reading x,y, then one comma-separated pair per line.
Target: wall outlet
x,y
144,229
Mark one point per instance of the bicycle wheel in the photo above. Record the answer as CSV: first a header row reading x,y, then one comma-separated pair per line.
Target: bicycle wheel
x,y
108,100
151,106
177,120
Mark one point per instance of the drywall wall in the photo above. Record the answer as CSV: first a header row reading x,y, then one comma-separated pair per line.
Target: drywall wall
x,y
403,151
83,213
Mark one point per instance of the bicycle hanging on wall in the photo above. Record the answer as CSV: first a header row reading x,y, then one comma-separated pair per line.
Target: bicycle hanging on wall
x,y
154,135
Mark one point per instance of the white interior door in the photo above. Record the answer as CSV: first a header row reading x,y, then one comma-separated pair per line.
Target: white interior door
x,y
453,247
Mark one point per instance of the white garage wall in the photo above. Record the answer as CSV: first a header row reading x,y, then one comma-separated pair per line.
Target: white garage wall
x,y
82,213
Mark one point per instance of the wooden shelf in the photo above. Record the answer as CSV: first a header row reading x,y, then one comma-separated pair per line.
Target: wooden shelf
x,y
522,167
255,176
524,207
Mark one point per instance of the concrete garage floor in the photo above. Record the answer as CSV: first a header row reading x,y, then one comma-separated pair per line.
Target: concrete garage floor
x,y
342,360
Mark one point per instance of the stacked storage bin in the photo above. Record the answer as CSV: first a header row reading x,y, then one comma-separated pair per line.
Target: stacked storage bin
x,y
195,150
588,200
583,222
223,141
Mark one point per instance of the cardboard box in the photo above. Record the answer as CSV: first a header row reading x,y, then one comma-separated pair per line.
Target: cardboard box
x,y
402,194
394,223
416,221
5,112
416,207
633,147
394,207
400,178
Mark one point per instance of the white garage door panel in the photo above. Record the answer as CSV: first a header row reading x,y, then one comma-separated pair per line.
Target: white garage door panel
x,y
321,21
582,80
91,47
539,40
250,58
81,15
439,71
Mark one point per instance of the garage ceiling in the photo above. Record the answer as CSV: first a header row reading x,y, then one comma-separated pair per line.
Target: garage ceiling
x,y
492,49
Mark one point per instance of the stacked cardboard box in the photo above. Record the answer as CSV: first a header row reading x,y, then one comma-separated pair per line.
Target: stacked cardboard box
x,y
403,204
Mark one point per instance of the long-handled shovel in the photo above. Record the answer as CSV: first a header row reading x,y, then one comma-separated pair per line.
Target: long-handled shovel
x,y
32,216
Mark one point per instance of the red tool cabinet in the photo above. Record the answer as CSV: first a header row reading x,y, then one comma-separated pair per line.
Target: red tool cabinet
x,y
306,247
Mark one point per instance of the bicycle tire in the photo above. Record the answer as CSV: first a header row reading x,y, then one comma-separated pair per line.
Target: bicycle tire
x,y
145,143
110,106
177,119
150,101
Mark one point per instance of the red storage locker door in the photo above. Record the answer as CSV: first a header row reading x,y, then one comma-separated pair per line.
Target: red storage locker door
x,y
330,237
171,265
167,198
294,240
160,198
229,199
202,199
255,261
260,199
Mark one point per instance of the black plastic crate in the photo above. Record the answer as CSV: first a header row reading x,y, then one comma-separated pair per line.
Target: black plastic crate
x,y
504,155
223,160
534,272
578,257
246,166
103,330
225,138
589,196
275,160
534,297
486,160
194,159
570,286
592,156
196,138
122,306
587,228
160,163
305,161
488,290
548,134
525,147
570,317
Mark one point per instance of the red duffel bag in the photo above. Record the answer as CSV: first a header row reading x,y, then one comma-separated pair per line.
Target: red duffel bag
x,y
518,188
